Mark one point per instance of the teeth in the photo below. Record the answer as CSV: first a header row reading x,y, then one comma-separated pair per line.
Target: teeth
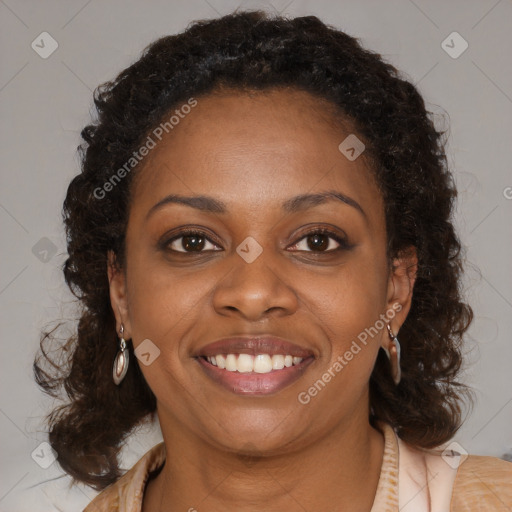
x,y
230,362
277,362
247,363
262,363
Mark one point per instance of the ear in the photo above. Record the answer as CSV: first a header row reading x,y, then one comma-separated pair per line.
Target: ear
x,y
118,295
400,287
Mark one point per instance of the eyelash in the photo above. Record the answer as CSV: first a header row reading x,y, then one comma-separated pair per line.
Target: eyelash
x,y
343,242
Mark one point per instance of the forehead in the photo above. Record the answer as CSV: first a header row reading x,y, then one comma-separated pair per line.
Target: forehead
x,y
254,150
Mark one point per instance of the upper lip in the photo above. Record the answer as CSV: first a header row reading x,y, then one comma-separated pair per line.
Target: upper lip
x,y
254,345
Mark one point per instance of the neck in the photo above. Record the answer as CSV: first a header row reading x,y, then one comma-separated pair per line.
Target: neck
x,y
197,475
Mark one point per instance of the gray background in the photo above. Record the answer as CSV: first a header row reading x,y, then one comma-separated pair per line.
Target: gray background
x,y
45,103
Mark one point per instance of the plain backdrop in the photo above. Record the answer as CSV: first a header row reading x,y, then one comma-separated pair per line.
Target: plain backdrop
x,y
45,102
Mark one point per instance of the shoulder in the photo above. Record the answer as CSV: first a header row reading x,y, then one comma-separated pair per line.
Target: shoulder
x,y
126,494
435,479
482,483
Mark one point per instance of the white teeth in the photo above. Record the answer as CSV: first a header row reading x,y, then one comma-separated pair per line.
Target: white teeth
x,y
247,363
231,363
262,363
278,362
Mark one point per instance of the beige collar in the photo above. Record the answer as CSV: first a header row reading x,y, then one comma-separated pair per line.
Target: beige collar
x,y
423,484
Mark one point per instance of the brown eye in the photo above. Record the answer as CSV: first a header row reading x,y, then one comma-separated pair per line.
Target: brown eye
x,y
318,242
193,242
321,241
189,242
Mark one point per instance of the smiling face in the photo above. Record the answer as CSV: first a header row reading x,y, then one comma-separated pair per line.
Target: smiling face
x,y
258,262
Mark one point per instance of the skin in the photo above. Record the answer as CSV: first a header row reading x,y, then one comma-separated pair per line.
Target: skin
x,y
253,152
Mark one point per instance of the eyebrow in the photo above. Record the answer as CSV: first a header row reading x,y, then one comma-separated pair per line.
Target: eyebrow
x,y
294,204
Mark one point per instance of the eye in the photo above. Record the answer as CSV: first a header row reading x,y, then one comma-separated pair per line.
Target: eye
x,y
321,240
189,241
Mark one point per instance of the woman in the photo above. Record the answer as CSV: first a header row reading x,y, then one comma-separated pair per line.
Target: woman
x,y
263,206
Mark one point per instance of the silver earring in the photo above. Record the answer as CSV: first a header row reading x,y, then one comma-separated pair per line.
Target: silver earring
x,y
393,354
121,361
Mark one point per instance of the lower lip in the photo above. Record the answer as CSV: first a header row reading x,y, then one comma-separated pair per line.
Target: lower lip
x,y
255,383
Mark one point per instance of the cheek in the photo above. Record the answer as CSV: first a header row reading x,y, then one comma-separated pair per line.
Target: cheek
x,y
161,302
350,315
163,308
351,310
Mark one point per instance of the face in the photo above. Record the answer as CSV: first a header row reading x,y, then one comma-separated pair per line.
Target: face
x,y
254,262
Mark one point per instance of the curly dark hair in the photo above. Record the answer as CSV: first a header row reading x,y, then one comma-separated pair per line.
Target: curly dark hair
x,y
254,50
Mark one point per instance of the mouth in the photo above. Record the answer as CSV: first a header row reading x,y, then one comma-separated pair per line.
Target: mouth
x,y
257,366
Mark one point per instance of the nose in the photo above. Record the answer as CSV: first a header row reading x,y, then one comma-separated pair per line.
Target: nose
x,y
255,290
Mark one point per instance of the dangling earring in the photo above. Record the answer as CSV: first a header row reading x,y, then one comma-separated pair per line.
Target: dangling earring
x,y
121,361
393,354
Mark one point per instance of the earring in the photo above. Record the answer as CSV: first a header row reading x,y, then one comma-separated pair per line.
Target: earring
x,y
393,354
121,361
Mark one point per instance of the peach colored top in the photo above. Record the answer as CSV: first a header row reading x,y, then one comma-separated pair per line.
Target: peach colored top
x,y
410,480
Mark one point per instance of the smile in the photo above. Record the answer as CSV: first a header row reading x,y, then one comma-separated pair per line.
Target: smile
x,y
262,374
247,363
